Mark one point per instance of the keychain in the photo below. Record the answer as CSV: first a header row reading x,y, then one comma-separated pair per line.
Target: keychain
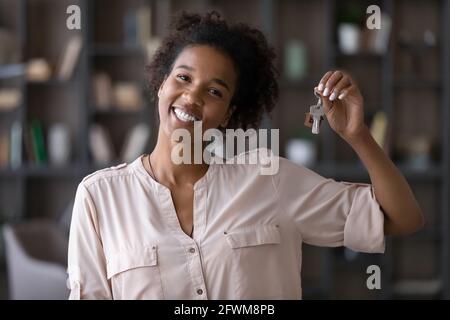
x,y
315,115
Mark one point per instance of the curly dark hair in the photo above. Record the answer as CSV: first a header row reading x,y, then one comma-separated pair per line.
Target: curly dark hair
x,y
257,88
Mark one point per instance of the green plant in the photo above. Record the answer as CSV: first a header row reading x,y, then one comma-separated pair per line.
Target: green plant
x,y
351,13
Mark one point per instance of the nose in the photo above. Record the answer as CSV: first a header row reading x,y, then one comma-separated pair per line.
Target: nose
x,y
193,97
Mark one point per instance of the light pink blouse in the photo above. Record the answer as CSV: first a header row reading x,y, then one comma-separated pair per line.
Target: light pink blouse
x,y
126,241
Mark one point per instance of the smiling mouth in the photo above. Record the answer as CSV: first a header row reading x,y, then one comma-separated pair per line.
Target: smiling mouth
x,y
183,116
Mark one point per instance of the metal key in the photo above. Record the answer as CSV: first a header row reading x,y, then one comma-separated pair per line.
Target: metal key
x,y
317,113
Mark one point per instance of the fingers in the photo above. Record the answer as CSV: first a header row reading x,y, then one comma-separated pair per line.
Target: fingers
x,y
327,104
335,85
324,80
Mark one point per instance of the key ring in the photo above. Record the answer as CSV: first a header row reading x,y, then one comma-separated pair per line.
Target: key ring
x,y
317,96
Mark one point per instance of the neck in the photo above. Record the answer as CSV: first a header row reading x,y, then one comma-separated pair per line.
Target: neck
x,y
169,173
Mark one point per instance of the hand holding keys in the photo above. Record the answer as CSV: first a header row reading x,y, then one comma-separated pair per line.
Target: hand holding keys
x,y
315,115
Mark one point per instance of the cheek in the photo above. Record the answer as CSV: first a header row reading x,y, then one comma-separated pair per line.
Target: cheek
x,y
215,114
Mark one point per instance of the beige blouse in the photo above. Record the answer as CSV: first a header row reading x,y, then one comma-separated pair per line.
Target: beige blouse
x,y
126,241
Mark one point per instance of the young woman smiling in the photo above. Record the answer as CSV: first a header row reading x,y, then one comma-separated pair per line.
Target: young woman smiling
x,y
153,229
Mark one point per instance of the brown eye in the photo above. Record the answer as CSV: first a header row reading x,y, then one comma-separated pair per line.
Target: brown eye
x,y
183,77
215,92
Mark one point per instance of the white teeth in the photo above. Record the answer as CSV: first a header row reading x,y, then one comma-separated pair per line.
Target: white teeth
x,y
183,116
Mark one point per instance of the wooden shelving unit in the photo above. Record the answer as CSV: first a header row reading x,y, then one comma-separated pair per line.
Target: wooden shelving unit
x,y
29,190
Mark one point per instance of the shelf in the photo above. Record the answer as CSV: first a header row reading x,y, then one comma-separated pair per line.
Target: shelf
x,y
7,172
12,70
9,111
116,50
360,56
51,82
116,112
46,171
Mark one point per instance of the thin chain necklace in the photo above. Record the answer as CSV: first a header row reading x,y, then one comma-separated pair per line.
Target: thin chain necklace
x,y
156,179
151,168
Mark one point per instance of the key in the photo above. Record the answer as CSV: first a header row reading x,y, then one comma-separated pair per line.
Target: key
x,y
315,115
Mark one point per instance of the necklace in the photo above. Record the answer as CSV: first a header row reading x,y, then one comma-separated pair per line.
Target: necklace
x,y
151,168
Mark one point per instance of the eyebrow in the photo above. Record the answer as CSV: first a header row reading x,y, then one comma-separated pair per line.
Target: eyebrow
x,y
219,81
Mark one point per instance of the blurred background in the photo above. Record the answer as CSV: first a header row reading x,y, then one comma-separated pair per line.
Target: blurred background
x,y
73,100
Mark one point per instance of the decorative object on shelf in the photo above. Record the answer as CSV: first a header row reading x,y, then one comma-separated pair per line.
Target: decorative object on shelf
x,y
349,21
100,144
349,36
416,151
302,148
295,60
135,142
70,57
301,151
379,130
429,38
59,144
102,91
127,96
10,98
38,70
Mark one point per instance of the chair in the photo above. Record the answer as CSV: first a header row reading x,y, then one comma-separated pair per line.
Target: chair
x,y
36,257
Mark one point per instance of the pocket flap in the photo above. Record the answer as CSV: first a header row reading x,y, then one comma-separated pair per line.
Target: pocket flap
x,y
136,258
268,234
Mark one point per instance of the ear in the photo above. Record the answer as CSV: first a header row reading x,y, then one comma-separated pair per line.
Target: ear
x,y
228,116
161,86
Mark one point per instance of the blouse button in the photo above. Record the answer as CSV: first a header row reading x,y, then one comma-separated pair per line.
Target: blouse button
x,y
199,291
191,250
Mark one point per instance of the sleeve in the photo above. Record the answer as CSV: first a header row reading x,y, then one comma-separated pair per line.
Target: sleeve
x,y
86,260
330,213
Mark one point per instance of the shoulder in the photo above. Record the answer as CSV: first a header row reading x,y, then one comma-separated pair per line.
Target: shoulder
x,y
107,174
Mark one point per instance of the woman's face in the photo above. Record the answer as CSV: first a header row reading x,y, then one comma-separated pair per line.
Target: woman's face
x,y
199,87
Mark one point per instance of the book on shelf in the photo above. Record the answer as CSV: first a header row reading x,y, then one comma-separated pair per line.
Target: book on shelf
x,y
102,91
27,140
137,26
38,142
100,144
135,142
16,145
70,57
4,148
144,22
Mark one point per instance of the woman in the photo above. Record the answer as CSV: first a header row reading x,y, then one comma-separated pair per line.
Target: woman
x,y
153,229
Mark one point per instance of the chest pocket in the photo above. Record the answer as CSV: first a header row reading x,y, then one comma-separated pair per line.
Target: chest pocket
x,y
254,237
135,274
256,254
